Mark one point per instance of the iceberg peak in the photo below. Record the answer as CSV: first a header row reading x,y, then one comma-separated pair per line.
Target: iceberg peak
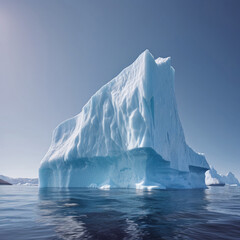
x,y
145,61
166,60
147,58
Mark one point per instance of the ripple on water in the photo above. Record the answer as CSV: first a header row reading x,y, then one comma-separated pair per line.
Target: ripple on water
x,y
29,213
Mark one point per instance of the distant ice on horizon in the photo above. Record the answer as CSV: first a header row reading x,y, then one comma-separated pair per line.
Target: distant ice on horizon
x,y
20,181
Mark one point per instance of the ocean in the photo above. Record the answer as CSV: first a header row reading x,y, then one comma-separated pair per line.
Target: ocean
x,y
27,212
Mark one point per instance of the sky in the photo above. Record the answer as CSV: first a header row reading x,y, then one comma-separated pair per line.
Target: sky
x,y
55,54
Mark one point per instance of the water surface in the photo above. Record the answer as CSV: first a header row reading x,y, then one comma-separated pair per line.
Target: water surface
x,y
29,213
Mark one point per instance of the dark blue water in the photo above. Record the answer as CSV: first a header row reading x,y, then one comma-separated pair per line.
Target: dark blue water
x,y
30,213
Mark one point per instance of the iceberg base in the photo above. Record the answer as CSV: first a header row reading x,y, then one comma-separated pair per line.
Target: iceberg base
x,y
140,168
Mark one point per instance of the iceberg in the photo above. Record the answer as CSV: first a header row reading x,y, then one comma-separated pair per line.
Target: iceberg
x,y
230,179
212,178
128,135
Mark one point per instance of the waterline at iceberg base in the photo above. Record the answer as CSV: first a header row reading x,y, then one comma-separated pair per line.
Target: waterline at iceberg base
x,y
128,135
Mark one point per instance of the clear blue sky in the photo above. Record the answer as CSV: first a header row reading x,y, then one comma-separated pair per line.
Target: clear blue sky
x,y
55,54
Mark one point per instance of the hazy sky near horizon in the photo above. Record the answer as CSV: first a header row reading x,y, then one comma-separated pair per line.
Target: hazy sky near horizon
x,y
55,54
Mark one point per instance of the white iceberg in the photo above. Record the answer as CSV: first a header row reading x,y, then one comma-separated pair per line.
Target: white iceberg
x,y
127,135
212,178
230,179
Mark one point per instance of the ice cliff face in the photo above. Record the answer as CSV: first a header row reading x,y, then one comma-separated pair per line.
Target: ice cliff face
x,y
129,121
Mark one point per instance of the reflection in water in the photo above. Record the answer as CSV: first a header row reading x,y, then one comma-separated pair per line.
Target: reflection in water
x,y
119,214
27,213
225,202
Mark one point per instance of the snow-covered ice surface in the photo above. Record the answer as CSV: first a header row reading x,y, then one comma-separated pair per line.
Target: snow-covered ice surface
x,y
213,178
127,135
